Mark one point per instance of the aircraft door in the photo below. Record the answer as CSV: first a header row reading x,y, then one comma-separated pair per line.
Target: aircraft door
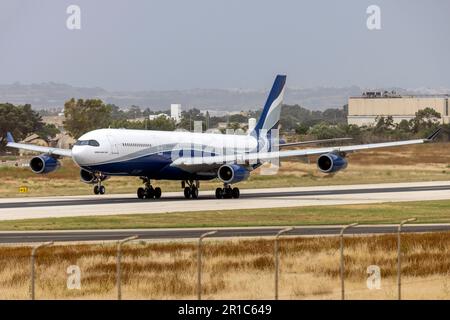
x,y
113,144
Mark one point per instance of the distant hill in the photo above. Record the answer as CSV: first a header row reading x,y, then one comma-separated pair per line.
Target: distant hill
x,y
45,95
51,95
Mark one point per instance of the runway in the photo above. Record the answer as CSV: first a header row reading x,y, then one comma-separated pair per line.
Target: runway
x,y
172,234
71,206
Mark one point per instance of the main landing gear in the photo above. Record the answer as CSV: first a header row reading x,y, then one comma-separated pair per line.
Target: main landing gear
x,y
148,192
227,192
191,190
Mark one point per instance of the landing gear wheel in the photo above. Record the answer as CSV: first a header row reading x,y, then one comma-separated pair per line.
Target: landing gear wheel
x,y
149,193
187,192
227,193
157,192
194,192
96,190
141,193
102,189
219,193
235,193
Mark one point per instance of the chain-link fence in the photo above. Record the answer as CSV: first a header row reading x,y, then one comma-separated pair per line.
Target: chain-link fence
x,y
285,267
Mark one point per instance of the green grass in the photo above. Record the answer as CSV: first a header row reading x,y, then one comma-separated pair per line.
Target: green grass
x,y
425,212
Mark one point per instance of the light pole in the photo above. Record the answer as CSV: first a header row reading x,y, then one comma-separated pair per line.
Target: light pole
x,y
118,265
199,263
342,265
399,256
277,257
33,272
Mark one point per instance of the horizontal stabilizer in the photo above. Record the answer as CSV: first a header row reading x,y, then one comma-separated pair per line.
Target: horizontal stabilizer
x,y
9,137
434,135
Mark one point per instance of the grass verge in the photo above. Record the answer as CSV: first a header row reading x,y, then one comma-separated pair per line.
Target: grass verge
x,y
424,211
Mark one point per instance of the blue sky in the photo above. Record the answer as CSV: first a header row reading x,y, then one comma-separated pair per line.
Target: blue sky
x,y
159,45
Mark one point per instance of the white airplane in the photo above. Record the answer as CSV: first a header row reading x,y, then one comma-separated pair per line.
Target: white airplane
x,y
190,157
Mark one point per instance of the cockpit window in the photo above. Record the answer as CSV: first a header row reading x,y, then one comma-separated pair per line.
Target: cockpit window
x,y
93,143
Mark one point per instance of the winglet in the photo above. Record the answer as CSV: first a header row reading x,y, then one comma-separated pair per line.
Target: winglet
x,y
433,136
9,137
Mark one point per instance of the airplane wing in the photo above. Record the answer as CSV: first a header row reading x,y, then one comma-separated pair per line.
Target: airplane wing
x,y
31,147
266,156
301,143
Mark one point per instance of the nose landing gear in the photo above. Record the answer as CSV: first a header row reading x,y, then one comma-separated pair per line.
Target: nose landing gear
x,y
148,192
99,188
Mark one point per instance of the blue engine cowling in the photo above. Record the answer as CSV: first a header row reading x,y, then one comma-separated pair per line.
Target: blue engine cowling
x,y
44,164
232,173
331,162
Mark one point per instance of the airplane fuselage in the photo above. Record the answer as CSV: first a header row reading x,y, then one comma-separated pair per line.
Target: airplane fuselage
x,y
116,152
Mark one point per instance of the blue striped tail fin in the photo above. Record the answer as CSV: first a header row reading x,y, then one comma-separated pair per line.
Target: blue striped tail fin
x,y
270,116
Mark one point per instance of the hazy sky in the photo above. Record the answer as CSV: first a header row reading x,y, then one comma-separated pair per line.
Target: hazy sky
x,y
134,45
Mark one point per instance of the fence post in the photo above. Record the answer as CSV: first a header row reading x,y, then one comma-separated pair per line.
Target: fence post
x,y
33,272
399,256
342,265
199,263
118,265
277,257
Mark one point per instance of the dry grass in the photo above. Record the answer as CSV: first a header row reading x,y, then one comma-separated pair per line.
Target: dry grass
x,y
410,163
235,269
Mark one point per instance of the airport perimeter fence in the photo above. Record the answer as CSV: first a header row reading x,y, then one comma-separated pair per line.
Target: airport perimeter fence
x,y
343,294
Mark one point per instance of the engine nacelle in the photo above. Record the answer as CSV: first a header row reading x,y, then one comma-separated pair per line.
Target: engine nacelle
x,y
330,162
44,164
87,177
90,178
232,173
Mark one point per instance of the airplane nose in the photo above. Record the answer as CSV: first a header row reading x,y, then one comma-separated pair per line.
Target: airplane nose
x,y
77,155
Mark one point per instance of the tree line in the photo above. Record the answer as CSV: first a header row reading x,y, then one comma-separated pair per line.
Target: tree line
x,y
22,121
86,115
383,129
82,116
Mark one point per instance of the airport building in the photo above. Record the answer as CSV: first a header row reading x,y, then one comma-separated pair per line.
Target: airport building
x,y
363,110
175,112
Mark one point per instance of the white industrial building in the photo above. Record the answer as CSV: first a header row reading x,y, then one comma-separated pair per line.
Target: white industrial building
x,y
363,110
175,112
155,116
251,124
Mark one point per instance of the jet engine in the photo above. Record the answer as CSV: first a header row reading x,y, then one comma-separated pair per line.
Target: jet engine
x,y
232,173
44,164
331,162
